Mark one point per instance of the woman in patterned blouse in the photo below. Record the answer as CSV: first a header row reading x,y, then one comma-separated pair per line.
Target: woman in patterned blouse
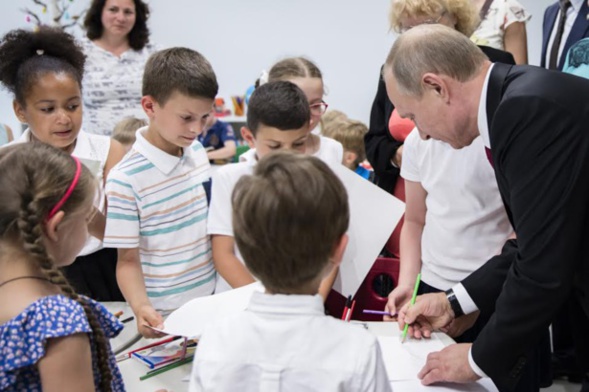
x,y
117,47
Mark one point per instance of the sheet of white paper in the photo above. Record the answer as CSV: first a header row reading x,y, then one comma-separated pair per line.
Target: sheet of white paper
x,y
191,318
483,385
404,360
374,214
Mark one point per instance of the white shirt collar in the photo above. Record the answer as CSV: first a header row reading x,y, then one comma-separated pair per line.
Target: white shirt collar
x,y
286,304
163,161
482,122
577,4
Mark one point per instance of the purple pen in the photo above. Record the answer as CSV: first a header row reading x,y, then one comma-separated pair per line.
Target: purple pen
x,y
380,312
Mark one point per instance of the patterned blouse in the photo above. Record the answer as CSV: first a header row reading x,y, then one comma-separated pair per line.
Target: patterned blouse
x,y
23,340
112,86
501,14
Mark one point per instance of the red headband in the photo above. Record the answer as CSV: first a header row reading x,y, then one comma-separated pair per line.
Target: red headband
x,y
69,191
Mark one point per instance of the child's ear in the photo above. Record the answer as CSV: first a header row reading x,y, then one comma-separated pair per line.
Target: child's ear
x,y
19,111
148,104
248,136
52,224
349,158
338,250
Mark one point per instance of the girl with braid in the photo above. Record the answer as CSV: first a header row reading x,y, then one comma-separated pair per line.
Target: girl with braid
x,y
44,69
51,338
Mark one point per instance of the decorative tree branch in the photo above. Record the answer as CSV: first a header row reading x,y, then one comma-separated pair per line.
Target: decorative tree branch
x,y
58,9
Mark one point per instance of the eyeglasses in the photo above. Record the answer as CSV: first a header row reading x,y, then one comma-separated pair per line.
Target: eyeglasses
x,y
319,107
427,21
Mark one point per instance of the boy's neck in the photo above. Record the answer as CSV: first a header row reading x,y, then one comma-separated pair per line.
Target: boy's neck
x,y
311,288
153,137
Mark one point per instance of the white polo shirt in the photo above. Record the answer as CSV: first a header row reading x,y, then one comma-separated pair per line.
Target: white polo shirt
x,y
156,202
466,223
287,343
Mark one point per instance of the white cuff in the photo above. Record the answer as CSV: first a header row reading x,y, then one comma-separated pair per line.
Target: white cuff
x,y
474,366
394,164
466,303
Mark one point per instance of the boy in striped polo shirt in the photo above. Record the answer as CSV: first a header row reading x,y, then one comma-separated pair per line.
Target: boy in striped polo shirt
x,y
157,207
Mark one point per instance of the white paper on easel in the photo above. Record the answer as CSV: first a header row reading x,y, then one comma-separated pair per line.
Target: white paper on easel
x,y
191,318
374,214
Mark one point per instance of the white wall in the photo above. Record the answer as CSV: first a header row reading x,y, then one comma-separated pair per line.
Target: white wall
x,y
348,39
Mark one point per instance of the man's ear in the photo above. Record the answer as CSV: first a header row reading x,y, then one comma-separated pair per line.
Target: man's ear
x,y
248,136
148,103
51,226
434,83
19,111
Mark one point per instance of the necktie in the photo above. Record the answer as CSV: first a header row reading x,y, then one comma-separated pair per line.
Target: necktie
x,y
489,157
564,6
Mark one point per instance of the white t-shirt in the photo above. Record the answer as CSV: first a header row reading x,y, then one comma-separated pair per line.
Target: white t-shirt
x,y
330,151
287,343
92,150
220,210
466,223
501,14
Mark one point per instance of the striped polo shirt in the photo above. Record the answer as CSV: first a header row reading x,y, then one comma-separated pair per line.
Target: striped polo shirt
x,y
156,202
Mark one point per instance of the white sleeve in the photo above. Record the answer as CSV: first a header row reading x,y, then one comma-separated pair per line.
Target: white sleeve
x,y
475,368
411,157
466,303
122,217
515,12
220,210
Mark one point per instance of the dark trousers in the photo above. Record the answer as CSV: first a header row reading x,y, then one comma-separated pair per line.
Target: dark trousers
x,y
94,275
537,371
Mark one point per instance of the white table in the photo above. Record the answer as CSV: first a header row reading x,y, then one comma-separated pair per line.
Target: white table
x,y
172,379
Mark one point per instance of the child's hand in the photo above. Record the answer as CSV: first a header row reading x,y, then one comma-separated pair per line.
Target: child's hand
x,y
147,315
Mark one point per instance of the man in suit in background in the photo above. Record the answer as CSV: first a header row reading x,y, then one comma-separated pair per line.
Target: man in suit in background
x,y
536,131
565,22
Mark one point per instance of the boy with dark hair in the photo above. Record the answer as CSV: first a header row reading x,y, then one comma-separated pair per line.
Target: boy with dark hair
x,y
157,205
278,118
290,219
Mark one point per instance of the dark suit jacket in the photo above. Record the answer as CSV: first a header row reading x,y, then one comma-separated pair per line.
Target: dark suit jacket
x,y
380,145
579,30
539,133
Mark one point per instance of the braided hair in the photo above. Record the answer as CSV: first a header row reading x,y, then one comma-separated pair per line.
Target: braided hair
x,y
35,176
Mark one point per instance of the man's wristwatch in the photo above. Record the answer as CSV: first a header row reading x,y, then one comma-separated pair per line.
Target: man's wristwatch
x,y
454,304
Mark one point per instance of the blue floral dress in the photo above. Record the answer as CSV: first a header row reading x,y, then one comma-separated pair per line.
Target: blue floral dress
x,y
23,340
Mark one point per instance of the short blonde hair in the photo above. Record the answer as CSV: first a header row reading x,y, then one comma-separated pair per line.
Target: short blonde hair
x,y
331,116
350,133
467,17
124,131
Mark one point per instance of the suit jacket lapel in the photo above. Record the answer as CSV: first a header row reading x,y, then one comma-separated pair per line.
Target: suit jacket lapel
x,y
495,90
550,19
578,32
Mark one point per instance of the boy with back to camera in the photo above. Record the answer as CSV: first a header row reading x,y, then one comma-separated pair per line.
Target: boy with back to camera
x,y
157,205
278,118
290,218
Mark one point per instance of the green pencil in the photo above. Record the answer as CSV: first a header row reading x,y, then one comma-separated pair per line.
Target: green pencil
x,y
404,335
166,368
